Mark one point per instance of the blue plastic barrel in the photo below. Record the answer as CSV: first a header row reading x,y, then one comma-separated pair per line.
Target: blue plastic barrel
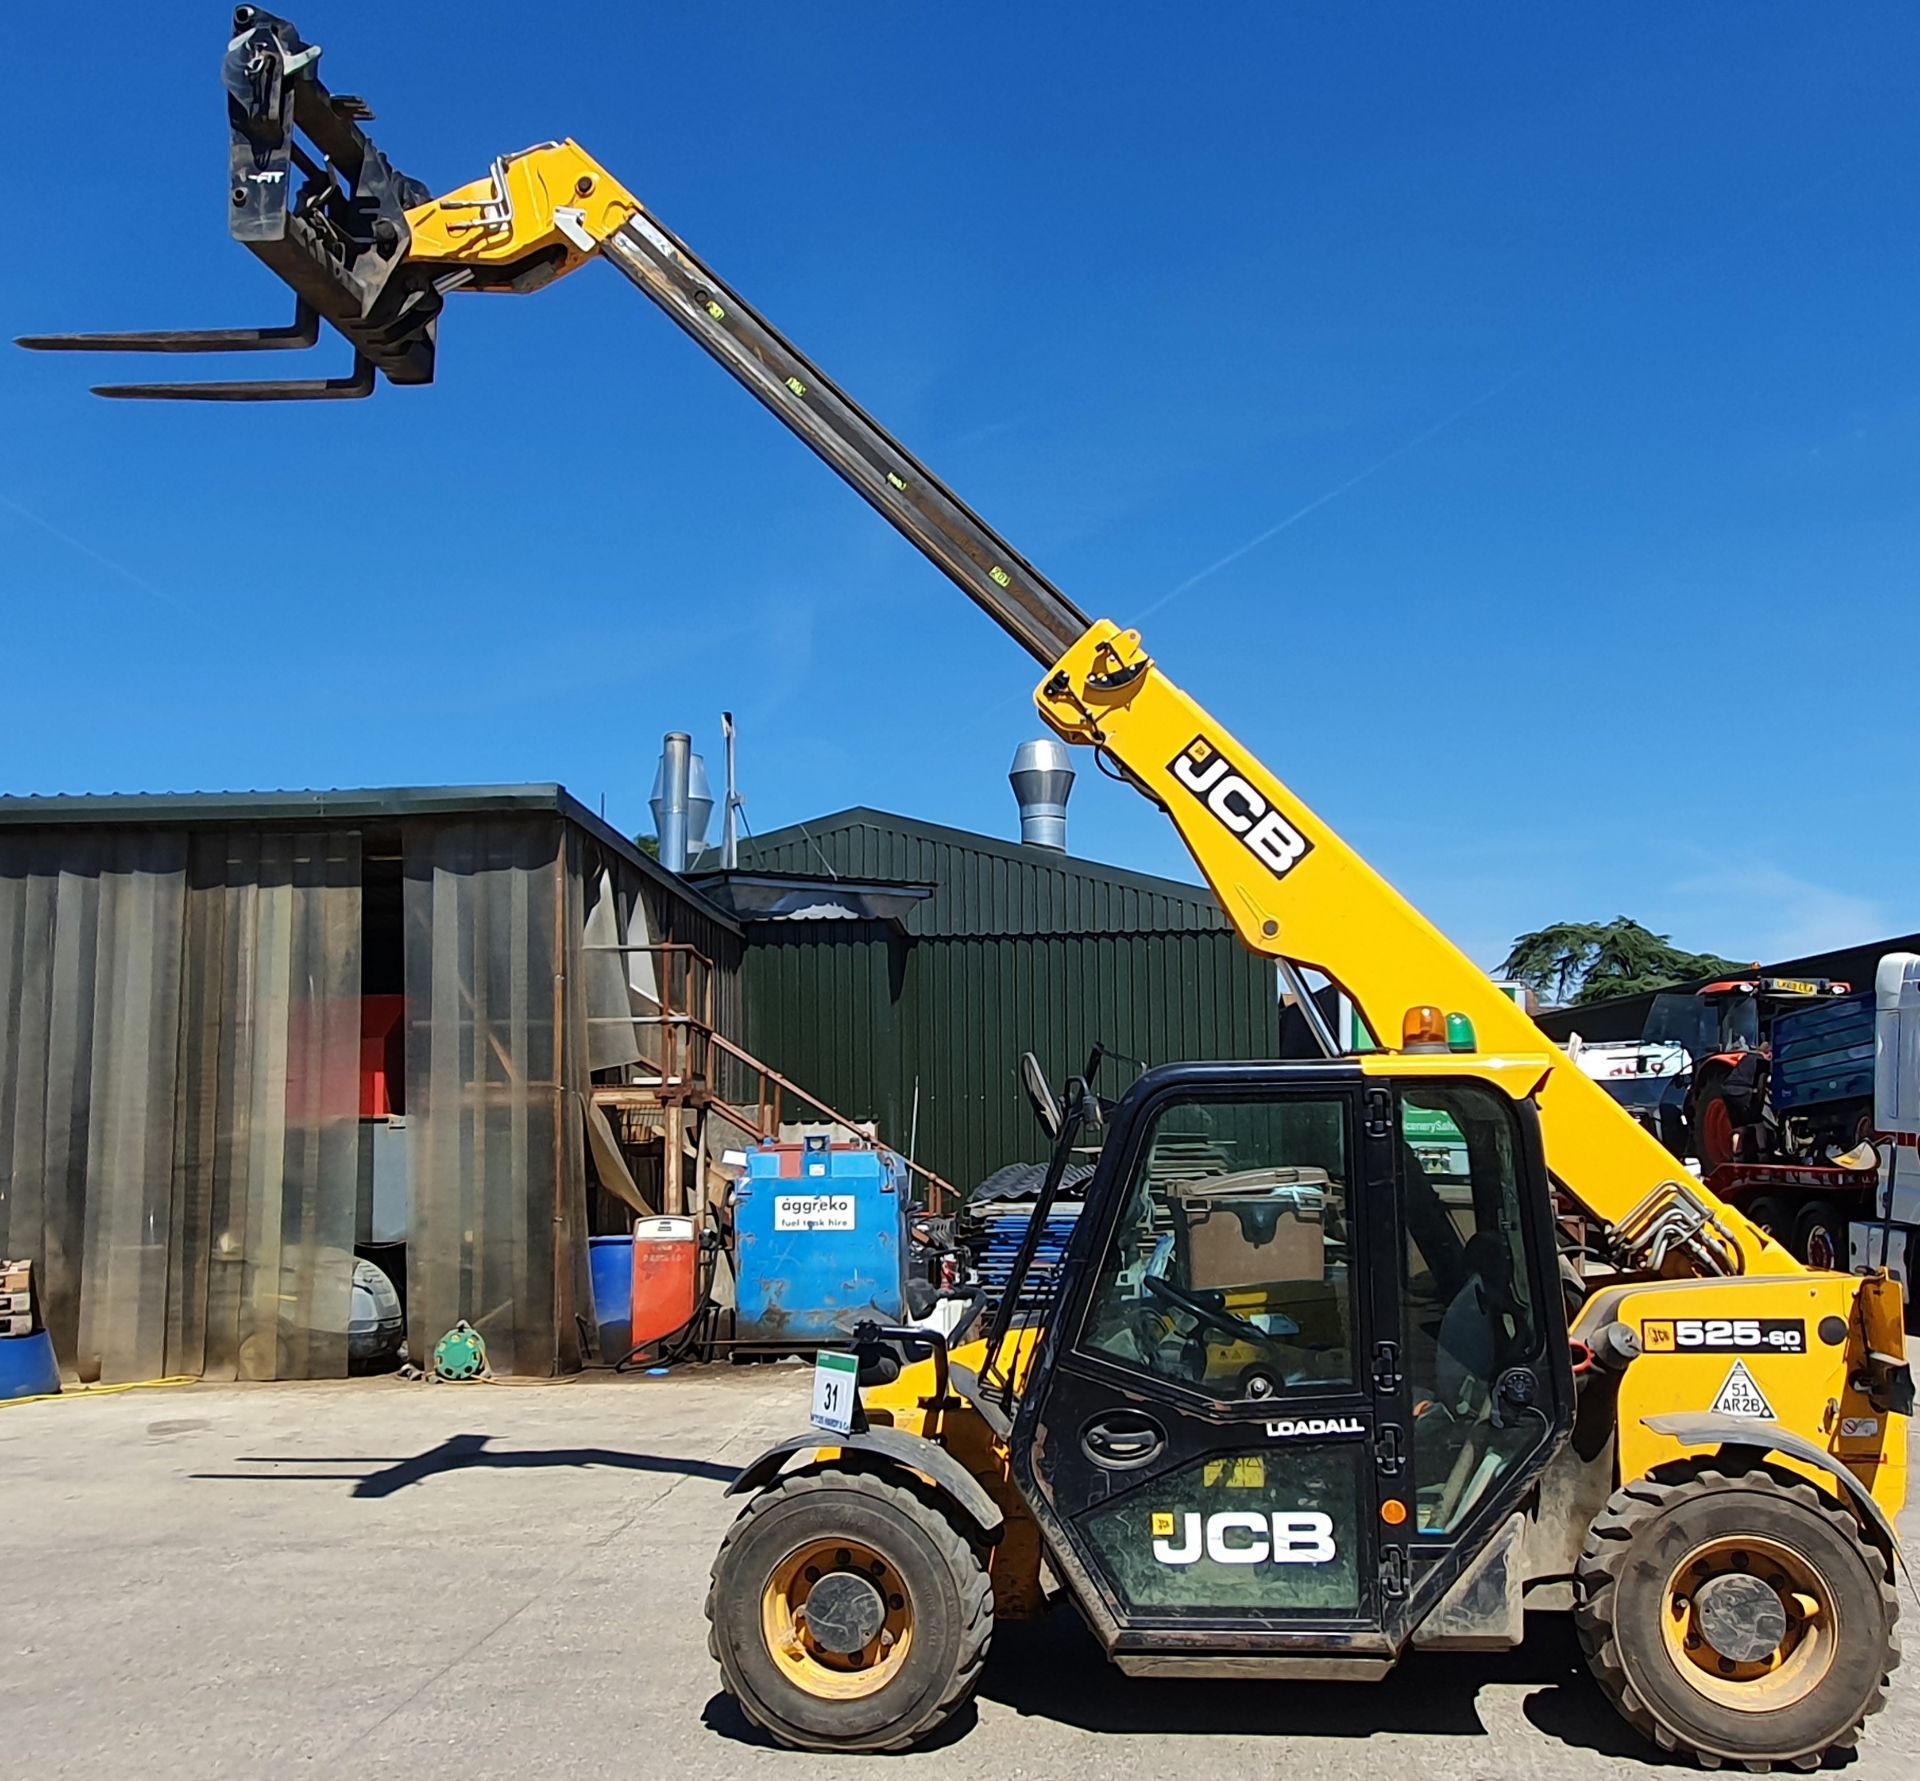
x,y
611,1262
27,1366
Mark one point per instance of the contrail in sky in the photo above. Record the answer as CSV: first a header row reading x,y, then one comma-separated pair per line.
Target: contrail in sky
x,y
87,550
1334,494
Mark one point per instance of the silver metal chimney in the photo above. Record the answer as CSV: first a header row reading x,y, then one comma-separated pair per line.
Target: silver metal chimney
x,y
669,800
671,795
1042,779
682,802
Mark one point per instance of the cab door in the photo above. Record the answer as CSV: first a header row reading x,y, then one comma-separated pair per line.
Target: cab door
x,y
1216,1436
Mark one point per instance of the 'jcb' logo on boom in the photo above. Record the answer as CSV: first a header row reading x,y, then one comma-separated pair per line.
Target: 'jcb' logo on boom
x,y
1245,1537
1240,806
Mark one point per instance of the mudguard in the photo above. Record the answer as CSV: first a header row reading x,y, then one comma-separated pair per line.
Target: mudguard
x,y
913,1452
1703,1429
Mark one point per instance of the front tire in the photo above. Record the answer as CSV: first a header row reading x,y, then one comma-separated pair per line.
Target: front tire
x,y
902,1613
1715,1128
1739,1618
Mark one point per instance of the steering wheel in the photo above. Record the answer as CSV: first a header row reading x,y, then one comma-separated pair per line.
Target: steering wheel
x,y
1208,1316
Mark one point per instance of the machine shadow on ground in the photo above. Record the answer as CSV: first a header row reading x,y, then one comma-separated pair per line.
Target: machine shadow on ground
x,y
1053,1670
384,1475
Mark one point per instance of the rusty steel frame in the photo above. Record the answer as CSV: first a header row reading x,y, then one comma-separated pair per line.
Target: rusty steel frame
x,y
689,1040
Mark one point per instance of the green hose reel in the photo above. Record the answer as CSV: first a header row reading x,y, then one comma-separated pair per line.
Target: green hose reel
x,y
461,1354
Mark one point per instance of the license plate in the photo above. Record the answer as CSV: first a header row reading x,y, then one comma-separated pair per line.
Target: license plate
x,y
836,1392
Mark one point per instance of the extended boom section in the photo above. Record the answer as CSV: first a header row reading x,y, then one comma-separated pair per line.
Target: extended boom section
x,y
542,213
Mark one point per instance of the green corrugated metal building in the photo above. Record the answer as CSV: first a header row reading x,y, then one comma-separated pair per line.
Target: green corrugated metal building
x,y
886,955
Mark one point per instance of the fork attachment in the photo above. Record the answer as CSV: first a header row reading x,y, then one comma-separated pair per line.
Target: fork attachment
x,y
340,243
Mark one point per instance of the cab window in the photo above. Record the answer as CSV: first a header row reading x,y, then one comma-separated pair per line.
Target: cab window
x,y
1230,1271
1470,1296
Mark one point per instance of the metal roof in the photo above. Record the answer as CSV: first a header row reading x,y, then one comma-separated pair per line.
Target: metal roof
x,y
803,896
984,886
361,804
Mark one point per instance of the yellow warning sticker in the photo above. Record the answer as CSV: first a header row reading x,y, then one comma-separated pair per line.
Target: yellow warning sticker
x,y
1741,1396
1246,1472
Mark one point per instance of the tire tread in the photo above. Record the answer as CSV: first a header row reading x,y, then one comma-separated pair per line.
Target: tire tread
x,y
959,1553
1608,1547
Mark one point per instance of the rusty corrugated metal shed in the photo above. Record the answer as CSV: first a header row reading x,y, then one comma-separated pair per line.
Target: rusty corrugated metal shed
x,y
187,1153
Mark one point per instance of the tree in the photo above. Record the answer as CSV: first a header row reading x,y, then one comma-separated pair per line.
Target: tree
x,y
1575,962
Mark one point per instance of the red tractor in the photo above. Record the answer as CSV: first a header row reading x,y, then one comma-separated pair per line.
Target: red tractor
x,y
1777,1105
1729,1113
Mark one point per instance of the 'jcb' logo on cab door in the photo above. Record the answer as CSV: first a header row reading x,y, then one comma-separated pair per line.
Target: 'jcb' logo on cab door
x,y
1244,1537
1240,806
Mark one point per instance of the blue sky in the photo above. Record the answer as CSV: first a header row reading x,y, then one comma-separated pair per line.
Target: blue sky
x,y
1520,406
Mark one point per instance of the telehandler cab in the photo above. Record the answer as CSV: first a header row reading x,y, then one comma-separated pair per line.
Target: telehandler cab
x,y
1299,1399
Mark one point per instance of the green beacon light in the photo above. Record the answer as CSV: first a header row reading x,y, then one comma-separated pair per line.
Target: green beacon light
x,y
1460,1033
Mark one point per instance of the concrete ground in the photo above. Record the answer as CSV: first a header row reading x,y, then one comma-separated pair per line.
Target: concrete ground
x,y
473,1581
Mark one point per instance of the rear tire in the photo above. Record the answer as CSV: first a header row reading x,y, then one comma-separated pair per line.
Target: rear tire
x,y
1820,1234
1777,1215
1647,1620
1022,1181
899,1561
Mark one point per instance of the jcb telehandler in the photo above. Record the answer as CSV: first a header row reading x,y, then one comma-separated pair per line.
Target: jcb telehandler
x,y
1299,1399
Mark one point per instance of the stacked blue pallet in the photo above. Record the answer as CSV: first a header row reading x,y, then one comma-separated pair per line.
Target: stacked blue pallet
x,y
1001,1230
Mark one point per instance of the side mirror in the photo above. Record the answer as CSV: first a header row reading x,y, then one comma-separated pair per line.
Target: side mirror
x,y
1040,1095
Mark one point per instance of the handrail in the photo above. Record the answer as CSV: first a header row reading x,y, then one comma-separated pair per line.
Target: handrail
x,y
681,1028
939,1189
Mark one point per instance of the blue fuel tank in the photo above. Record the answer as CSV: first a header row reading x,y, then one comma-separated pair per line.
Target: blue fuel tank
x,y
820,1235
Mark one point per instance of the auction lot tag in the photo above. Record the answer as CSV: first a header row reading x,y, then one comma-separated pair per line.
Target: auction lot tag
x,y
836,1392
1724,1335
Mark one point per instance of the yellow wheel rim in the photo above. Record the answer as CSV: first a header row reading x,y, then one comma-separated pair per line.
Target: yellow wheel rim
x,y
1753,1572
803,1658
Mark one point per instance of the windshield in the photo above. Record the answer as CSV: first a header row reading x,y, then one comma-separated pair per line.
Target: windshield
x,y
1740,1023
1687,1021
1229,1272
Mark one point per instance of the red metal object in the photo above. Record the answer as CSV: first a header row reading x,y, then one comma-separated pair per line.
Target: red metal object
x,y
383,1056
666,1278
1731,1180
